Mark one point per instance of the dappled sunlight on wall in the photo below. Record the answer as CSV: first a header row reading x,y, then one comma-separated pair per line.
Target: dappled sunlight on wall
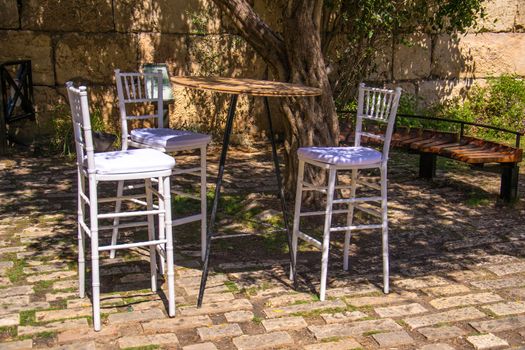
x,y
412,57
86,40
67,16
93,58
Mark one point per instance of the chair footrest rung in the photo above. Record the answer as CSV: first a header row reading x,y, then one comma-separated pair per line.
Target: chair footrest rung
x,y
128,214
122,198
370,211
134,187
373,185
311,187
309,239
357,200
130,198
132,245
233,235
322,212
373,136
138,201
355,227
124,225
186,220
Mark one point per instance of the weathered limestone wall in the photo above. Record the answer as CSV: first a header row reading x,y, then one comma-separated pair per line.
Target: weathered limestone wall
x,y
85,40
441,66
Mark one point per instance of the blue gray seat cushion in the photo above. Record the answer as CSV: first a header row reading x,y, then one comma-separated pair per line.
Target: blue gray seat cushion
x,y
344,156
169,138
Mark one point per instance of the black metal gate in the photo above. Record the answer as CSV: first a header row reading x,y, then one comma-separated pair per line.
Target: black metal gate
x,y
16,96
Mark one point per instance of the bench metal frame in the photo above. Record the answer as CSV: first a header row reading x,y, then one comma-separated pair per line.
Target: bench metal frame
x,y
15,90
509,171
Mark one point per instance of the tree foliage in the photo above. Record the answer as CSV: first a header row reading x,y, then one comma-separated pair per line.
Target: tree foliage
x,y
500,103
332,44
365,27
353,31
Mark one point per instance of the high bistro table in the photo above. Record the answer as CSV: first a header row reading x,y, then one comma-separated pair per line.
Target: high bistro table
x,y
236,87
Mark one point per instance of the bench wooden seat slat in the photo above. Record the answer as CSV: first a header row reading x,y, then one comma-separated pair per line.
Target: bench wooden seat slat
x,y
467,149
446,144
474,153
486,158
497,154
449,151
436,146
399,138
461,146
434,140
420,135
398,142
408,142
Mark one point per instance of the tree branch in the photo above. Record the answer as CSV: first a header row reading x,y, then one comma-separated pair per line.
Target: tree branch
x,y
267,43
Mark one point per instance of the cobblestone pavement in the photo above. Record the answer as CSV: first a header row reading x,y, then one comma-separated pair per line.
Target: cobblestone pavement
x,y
458,270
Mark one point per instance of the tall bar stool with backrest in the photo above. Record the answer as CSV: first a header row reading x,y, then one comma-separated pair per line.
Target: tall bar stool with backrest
x,y
146,88
139,164
378,105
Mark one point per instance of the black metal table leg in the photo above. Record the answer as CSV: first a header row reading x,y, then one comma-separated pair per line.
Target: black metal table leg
x,y
218,184
281,191
3,121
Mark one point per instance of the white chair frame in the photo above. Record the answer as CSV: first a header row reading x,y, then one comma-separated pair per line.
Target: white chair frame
x,y
87,170
143,88
379,105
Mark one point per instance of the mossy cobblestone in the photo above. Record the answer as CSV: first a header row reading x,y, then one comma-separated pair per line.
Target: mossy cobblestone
x,y
453,271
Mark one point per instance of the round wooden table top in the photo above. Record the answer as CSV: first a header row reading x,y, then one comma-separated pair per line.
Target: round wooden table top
x,y
245,86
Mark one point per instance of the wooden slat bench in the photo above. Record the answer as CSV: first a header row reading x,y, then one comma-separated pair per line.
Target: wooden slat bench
x,y
455,145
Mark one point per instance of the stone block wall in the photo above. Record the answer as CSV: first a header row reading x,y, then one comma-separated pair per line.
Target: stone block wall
x,y
440,66
85,40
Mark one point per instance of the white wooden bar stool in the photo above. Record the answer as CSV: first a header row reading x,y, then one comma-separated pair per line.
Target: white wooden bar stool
x,y
146,89
378,105
139,164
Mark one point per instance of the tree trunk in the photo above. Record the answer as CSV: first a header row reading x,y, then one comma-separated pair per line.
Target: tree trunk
x,y
294,57
311,121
